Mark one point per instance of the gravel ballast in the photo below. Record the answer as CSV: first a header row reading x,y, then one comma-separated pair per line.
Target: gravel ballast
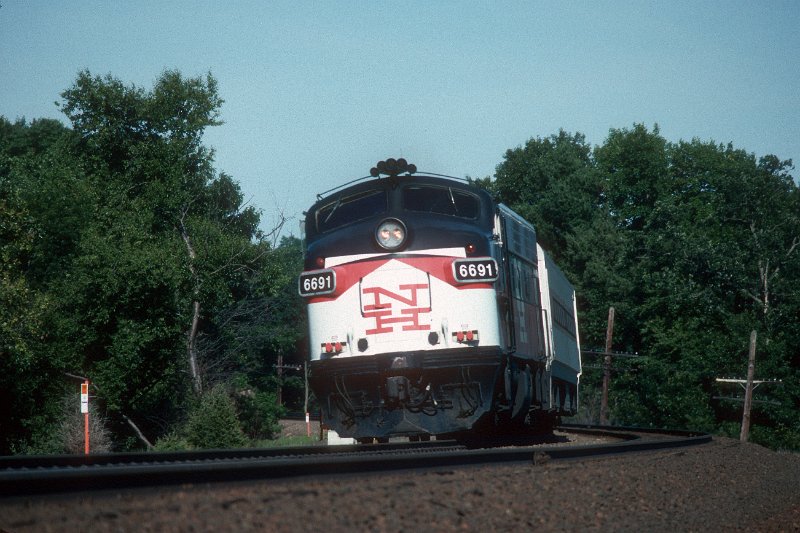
x,y
724,485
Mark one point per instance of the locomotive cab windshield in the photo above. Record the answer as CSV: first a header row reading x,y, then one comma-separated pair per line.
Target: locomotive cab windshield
x,y
345,210
441,201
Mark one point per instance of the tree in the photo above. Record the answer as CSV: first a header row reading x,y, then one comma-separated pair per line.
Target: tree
x,y
30,373
122,249
705,225
149,148
148,145
635,166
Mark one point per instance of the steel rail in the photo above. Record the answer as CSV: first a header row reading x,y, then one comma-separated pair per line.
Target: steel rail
x,y
61,474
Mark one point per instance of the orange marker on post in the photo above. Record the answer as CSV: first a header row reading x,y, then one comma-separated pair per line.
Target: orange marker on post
x,y
85,411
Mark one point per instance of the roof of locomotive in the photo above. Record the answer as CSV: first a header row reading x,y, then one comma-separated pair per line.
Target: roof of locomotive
x,y
390,183
370,182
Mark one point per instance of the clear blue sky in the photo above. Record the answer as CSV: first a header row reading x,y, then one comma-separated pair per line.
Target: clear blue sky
x,y
316,92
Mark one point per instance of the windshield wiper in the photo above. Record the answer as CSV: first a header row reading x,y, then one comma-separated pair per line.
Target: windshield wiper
x,y
452,200
335,207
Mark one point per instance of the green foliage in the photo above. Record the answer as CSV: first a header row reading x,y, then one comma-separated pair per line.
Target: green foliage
x,y
259,413
214,423
172,442
780,437
117,122
634,164
22,139
220,419
29,369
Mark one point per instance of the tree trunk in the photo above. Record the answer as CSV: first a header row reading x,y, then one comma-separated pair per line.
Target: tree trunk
x,y
191,348
191,337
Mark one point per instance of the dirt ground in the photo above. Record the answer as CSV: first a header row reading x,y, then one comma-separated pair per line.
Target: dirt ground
x,y
721,486
299,428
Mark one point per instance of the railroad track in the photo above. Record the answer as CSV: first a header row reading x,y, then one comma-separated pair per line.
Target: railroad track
x,y
24,475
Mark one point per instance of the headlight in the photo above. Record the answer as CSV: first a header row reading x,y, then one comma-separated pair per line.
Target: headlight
x,y
391,234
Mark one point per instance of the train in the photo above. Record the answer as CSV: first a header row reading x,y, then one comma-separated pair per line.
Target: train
x,y
433,311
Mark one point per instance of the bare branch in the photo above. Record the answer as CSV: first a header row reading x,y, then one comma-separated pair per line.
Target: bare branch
x,y
138,433
795,243
752,297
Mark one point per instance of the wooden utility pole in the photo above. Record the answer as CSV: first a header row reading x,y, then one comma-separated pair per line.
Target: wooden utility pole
x,y
607,368
749,386
279,370
748,391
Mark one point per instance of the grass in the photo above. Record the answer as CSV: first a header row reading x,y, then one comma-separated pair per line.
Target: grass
x,y
292,440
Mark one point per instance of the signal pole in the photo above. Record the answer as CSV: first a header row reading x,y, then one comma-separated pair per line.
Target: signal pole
x,y
305,403
84,398
85,411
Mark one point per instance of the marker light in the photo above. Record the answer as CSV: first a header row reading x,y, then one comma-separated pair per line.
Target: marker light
x,y
391,234
392,167
469,336
320,262
470,249
333,347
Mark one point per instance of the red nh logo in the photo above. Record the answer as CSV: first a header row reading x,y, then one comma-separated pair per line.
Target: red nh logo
x,y
388,308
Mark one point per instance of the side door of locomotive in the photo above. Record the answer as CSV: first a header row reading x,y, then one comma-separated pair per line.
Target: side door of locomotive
x,y
522,313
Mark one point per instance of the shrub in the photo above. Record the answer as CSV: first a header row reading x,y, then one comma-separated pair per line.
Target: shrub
x,y
260,413
73,429
213,423
172,442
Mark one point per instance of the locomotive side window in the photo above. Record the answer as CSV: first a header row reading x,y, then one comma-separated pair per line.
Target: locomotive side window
x,y
441,200
343,211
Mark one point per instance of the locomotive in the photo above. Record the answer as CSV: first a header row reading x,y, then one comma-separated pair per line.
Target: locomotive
x,y
432,310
